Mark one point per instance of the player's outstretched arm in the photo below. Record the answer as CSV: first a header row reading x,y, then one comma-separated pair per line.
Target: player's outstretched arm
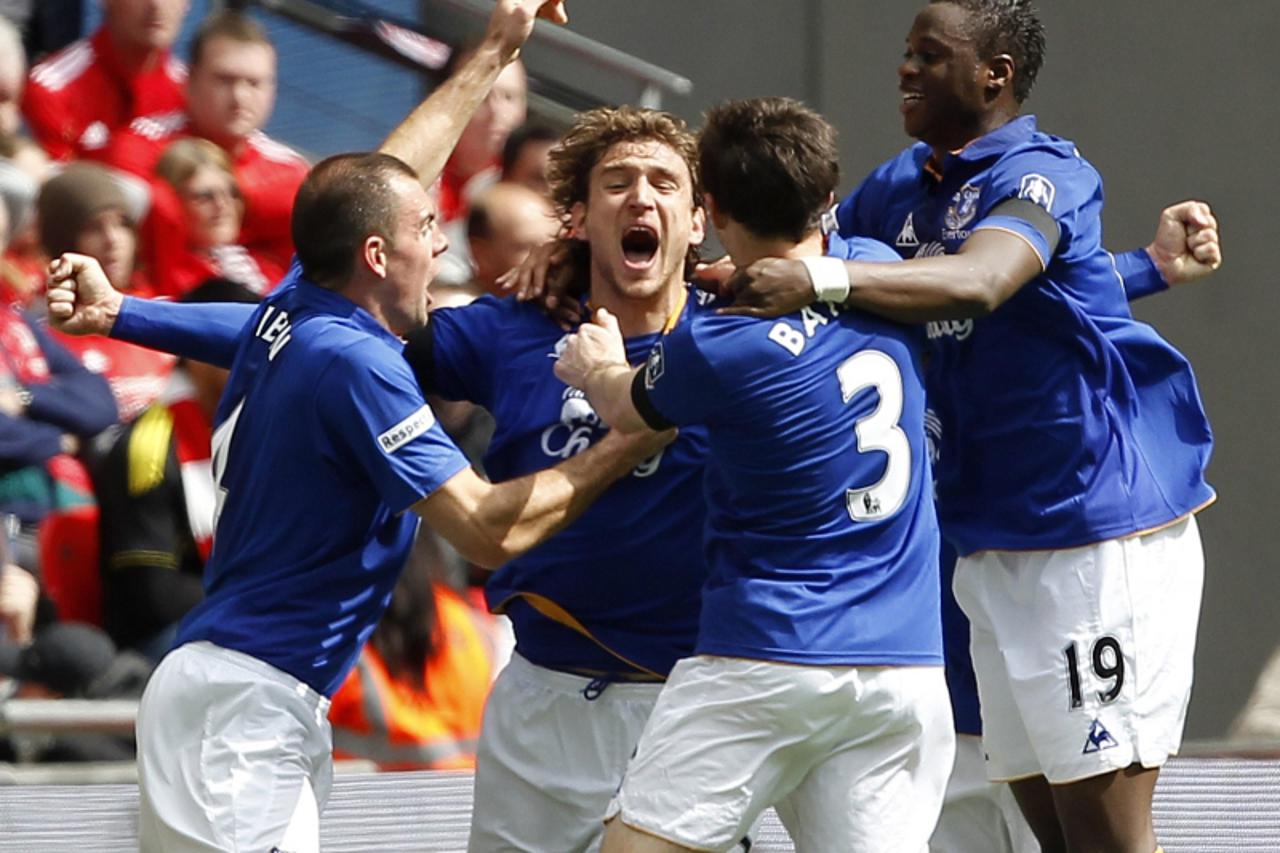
x,y
426,138
988,270
594,360
82,302
492,523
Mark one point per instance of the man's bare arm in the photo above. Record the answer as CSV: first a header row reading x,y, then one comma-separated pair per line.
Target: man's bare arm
x,y
492,523
426,138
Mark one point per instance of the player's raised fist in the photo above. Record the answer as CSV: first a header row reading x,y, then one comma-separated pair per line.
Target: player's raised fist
x,y
1186,246
512,22
81,300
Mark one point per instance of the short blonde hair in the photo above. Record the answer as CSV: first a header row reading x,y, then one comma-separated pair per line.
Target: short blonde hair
x,y
184,158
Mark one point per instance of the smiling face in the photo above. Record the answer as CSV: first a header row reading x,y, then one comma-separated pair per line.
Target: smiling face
x,y
639,218
946,93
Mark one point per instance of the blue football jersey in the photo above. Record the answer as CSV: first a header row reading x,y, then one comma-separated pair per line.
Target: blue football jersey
x,y
322,442
617,591
1064,421
821,535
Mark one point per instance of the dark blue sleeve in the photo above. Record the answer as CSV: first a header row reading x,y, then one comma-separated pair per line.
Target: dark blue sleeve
x,y
679,383
465,345
204,331
1064,186
1140,275
75,399
376,412
24,442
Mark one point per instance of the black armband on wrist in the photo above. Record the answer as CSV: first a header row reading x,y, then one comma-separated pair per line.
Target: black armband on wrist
x,y
644,406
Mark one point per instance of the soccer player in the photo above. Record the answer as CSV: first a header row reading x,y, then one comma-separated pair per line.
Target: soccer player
x,y
816,684
605,608
323,432
1073,441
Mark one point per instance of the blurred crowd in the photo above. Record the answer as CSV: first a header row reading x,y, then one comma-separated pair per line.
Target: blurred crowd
x,y
111,146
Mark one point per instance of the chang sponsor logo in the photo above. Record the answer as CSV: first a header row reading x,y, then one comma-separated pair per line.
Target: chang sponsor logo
x,y
958,329
932,249
576,430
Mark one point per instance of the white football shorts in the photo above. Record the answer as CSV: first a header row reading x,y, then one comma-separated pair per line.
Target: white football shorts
x,y
1084,655
549,758
233,754
853,758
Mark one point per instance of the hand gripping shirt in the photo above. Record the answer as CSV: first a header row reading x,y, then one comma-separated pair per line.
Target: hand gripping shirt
x,y
821,536
322,442
616,592
1063,420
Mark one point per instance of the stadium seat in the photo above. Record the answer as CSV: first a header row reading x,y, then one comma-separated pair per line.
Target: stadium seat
x,y
68,546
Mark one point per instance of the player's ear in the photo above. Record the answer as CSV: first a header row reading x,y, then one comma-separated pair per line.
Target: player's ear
x,y
698,226
718,219
373,254
575,220
998,74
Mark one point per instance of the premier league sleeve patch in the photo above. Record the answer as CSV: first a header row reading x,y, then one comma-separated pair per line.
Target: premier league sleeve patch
x,y
654,367
1038,190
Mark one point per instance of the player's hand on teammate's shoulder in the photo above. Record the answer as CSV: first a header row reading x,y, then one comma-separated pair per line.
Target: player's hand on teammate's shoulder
x,y
512,22
81,299
714,276
1186,246
595,346
549,276
769,287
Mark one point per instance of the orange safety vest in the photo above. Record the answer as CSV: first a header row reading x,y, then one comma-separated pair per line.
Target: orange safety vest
x,y
403,727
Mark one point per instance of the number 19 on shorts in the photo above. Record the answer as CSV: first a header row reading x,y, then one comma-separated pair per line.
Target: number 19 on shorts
x,y
1106,662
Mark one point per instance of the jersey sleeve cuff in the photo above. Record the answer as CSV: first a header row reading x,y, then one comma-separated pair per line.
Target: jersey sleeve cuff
x,y
1019,228
1139,274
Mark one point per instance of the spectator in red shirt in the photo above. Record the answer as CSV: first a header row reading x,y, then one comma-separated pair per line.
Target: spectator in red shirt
x,y
231,91
195,219
79,97
83,210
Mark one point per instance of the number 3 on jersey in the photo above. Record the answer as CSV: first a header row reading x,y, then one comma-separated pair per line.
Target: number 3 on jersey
x,y
878,431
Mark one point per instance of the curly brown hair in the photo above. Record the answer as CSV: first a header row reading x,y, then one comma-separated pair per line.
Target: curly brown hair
x,y
595,131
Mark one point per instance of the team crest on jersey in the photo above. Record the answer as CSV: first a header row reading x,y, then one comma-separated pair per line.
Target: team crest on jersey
x,y
963,207
1099,738
654,367
1038,189
558,349
907,236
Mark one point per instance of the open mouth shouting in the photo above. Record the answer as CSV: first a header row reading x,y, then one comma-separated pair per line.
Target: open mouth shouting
x,y
640,246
